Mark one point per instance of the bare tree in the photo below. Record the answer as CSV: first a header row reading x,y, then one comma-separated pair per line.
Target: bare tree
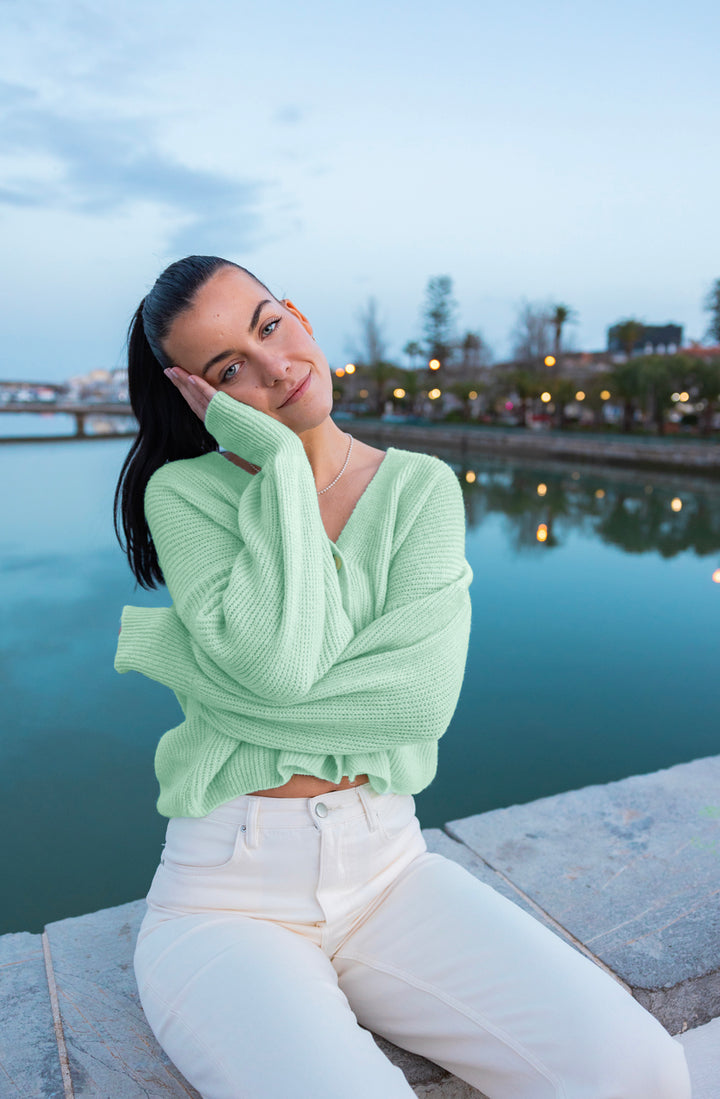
x,y
372,346
532,336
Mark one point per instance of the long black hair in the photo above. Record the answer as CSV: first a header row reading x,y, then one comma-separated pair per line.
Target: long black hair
x,y
168,427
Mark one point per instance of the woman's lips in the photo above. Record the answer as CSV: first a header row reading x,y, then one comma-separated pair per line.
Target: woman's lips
x,y
298,392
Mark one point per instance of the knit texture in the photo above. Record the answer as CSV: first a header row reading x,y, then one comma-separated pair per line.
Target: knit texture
x,y
290,653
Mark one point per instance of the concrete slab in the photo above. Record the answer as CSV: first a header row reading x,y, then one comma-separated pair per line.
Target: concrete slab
x,y
29,1062
111,1049
443,844
702,1049
632,870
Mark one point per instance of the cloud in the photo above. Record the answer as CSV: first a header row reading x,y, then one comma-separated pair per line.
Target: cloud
x,y
102,165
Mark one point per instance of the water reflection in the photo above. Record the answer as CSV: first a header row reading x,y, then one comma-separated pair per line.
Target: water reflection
x,y
543,507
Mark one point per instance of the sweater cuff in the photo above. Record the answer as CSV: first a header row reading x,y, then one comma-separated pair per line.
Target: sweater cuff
x,y
245,430
146,635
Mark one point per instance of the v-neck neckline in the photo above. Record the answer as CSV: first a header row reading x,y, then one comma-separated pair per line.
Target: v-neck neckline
x,y
351,519
341,536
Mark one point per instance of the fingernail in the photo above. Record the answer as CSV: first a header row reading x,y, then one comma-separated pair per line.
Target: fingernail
x,y
192,379
168,373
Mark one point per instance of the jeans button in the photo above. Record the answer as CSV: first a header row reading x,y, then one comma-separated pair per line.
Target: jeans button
x,y
321,809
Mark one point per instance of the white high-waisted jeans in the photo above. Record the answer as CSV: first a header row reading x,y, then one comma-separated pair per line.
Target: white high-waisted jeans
x,y
278,929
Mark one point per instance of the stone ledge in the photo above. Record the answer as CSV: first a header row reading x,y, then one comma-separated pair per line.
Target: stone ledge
x,y
631,870
628,873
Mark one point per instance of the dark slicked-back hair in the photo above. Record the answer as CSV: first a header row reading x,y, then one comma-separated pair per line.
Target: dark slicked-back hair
x,y
168,427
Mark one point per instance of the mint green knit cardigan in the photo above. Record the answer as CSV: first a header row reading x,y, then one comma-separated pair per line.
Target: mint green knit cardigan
x,y
288,652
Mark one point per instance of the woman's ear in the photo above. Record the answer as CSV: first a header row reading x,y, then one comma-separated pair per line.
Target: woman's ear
x,y
300,316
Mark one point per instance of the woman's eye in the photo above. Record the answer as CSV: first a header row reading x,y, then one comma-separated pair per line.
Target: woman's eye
x,y
270,327
227,375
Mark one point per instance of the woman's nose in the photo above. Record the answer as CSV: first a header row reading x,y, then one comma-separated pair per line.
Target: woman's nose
x,y
273,365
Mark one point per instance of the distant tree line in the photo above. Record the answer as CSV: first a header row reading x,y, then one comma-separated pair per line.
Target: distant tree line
x,y
440,360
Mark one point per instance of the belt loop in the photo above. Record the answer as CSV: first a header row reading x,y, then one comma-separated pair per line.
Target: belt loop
x,y
371,812
251,822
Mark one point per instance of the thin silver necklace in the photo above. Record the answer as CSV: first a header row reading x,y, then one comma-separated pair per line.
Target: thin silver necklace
x,y
347,459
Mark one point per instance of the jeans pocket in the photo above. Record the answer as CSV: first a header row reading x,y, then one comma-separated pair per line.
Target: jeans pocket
x,y
202,843
397,814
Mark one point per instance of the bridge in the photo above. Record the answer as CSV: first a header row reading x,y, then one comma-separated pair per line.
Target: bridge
x,y
81,410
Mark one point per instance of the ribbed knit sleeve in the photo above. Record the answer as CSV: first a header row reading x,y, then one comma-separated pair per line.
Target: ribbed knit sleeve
x,y
257,591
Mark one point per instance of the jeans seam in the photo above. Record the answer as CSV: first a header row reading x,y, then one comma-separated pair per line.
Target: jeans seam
x,y
473,1016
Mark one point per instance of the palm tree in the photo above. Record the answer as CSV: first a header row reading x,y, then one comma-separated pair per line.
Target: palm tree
x,y
561,315
628,333
414,352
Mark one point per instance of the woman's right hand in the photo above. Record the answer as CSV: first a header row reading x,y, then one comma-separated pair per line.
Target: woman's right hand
x,y
197,392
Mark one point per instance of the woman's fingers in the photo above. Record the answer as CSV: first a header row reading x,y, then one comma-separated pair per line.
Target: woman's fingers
x,y
197,392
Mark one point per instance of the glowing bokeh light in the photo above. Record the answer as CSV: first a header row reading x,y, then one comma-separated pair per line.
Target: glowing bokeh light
x,y
434,364
340,373
545,397
599,493
716,576
433,394
398,392
579,396
605,395
550,360
541,533
350,368
470,476
676,503
541,489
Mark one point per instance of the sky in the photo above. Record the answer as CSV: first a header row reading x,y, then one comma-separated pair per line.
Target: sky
x,y
549,152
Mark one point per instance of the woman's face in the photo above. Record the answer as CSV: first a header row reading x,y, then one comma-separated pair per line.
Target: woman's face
x,y
254,348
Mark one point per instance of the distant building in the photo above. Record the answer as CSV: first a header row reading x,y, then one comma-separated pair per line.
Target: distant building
x,y
662,339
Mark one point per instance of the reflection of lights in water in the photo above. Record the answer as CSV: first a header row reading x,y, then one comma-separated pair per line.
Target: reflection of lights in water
x,y
541,490
599,493
716,576
676,504
541,533
470,476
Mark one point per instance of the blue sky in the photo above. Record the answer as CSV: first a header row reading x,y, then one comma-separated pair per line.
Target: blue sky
x,y
559,152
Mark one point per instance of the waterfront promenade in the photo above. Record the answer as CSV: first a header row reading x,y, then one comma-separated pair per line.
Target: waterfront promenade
x,y
628,873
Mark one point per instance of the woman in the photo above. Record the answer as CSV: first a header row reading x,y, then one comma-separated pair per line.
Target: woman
x,y
317,642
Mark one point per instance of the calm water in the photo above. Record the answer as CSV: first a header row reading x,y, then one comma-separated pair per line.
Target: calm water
x,y
593,656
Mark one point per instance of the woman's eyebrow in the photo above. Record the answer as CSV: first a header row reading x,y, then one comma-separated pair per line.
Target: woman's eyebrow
x,y
256,314
253,325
